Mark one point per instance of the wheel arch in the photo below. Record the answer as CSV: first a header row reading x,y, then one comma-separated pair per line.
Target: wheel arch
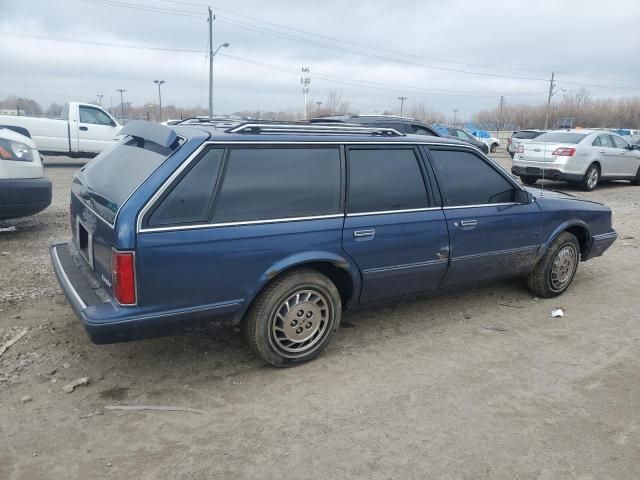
x,y
577,228
341,270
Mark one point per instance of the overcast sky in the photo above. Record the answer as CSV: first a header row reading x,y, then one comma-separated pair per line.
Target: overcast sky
x,y
423,50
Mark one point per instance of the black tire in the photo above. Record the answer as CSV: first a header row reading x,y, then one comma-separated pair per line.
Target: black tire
x,y
494,147
528,180
268,334
547,281
636,181
591,178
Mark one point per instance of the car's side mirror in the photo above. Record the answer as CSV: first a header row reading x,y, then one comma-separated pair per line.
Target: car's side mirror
x,y
522,196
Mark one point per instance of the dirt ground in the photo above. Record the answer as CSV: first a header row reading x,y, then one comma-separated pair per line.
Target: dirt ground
x,y
478,385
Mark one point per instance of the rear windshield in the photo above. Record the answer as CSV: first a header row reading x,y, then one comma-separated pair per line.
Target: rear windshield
x,y
561,137
526,135
106,182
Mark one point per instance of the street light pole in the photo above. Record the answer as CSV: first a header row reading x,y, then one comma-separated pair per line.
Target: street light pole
x,y
455,114
159,83
402,100
212,54
121,90
100,99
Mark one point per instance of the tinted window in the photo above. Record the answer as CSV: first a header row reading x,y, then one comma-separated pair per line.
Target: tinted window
x,y
396,126
93,115
420,130
264,183
527,135
561,137
619,142
106,182
466,179
384,179
190,199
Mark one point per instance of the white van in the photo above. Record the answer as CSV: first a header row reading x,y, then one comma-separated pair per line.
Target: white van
x,y
24,190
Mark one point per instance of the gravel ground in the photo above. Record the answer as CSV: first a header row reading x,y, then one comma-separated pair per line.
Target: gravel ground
x,y
478,385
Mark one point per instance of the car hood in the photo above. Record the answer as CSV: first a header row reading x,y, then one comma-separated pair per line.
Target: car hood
x,y
545,194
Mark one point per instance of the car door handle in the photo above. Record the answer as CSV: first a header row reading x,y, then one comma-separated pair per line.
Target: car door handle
x,y
602,151
364,233
84,129
468,223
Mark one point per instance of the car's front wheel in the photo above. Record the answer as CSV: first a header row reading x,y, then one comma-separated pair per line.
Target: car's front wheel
x,y
294,318
494,147
528,180
591,178
554,272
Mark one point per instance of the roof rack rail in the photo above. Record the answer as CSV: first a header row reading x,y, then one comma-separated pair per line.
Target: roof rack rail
x,y
257,128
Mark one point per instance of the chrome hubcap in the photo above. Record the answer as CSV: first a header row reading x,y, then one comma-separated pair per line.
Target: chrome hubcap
x,y
563,267
300,322
592,179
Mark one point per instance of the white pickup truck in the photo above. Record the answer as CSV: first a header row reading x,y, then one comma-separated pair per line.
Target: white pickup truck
x,y
83,129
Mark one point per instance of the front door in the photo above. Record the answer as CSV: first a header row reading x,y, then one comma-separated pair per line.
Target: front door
x,y
492,235
392,230
96,130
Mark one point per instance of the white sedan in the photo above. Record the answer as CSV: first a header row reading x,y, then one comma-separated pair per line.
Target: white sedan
x,y
582,156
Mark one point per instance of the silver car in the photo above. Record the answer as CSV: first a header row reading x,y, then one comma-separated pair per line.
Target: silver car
x,y
582,156
521,136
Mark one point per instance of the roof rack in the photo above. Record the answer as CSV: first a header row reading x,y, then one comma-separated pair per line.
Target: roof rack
x,y
257,128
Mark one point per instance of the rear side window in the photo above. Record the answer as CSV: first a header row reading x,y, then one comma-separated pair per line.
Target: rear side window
x,y
190,200
270,183
466,179
526,135
603,141
384,179
420,130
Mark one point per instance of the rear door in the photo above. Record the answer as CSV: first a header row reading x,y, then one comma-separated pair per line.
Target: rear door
x,y
609,162
393,230
491,234
96,130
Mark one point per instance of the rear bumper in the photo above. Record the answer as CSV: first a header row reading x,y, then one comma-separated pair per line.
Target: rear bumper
x,y
548,173
22,197
600,243
107,322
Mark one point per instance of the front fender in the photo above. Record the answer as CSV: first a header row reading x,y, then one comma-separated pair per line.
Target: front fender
x,y
342,262
561,228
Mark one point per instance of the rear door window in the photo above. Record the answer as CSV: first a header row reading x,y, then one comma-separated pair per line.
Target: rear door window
x,y
190,200
383,180
466,179
273,183
605,141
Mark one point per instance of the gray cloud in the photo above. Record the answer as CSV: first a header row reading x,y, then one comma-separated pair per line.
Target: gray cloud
x,y
585,38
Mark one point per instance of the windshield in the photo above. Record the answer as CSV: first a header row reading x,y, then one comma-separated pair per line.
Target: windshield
x,y
561,137
105,183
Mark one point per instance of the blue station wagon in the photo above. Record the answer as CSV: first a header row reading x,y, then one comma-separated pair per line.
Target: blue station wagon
x,y
278,228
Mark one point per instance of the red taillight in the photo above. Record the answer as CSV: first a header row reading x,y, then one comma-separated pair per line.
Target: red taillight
x,y
123,278
564,152
520,148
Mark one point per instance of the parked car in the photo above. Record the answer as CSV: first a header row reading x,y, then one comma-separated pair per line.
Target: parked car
x,y
581,156
401,124
521,136
492,142
459,134
279,228
24,190
625,132
83,129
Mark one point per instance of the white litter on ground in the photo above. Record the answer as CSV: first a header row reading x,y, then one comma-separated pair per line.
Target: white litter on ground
x,y
557,312
7,229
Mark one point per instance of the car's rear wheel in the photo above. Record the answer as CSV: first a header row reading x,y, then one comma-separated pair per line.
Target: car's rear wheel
x,y
591,178
528,180
294,318
555,271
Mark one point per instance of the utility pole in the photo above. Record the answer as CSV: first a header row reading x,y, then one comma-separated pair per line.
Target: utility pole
x,y
211,19
402,100
305,80
552,85
500,117
121,90
159,83
100,99
455,114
